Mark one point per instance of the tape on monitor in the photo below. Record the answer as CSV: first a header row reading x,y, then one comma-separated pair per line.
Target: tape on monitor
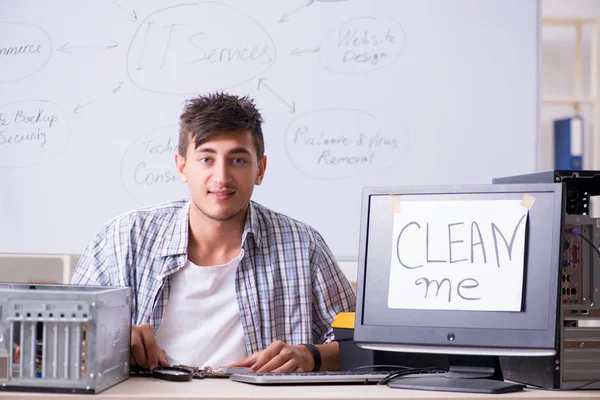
x,y
527,201
395,203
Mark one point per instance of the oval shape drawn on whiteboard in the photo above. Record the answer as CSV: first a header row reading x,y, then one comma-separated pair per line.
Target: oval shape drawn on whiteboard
x,y
31,132
148,170
362,44
191,48
341,143
24,50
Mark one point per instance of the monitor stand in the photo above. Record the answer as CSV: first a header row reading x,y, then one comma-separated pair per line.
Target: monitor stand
x,y
473,374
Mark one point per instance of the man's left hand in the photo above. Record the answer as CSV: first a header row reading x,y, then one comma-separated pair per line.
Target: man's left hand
x,y
279,357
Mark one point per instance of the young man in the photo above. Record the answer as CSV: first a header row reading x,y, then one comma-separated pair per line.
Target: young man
x,y
219,279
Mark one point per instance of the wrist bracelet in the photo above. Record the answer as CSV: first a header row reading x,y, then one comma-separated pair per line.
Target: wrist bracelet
x,y
316,356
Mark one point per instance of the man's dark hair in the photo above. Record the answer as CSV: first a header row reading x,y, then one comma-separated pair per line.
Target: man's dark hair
x,y
206,115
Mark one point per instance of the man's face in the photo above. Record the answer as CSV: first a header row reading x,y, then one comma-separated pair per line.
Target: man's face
x,y
221,173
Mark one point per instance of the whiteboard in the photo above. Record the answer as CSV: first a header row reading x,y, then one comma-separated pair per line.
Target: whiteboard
x,y
353,94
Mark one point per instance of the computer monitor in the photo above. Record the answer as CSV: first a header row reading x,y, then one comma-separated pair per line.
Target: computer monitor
x,y
468,271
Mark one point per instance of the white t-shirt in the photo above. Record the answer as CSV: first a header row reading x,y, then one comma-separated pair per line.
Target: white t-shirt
x,y
201,324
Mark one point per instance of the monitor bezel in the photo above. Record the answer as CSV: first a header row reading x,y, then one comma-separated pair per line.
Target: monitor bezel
x,y
502,341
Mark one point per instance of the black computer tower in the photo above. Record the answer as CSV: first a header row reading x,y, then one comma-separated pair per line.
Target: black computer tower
x,y
577,360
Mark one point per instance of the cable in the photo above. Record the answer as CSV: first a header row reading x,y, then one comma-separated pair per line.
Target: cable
x,y
577,232
586,384
402,370
430,370
402,367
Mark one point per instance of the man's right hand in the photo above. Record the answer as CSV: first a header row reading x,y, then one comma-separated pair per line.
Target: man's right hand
x,y
145,351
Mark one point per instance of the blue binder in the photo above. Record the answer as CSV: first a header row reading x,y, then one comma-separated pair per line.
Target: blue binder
x,y
568,143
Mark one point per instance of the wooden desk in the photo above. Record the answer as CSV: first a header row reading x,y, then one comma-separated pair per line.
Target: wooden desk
x,y
222,389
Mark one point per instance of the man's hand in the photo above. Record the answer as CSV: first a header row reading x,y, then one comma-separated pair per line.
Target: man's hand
x,y
145,351
279,357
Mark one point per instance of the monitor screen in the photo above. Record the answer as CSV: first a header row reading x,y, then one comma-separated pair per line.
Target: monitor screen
x,y
460,269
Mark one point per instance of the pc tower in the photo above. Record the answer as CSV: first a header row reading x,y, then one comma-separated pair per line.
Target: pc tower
x,y
63,338
577,359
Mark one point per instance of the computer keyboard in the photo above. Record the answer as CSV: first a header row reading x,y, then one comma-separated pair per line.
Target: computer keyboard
x,y
300,378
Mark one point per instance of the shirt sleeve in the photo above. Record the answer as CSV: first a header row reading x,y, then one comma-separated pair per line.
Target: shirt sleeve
x,y
104,261
92,266
331,291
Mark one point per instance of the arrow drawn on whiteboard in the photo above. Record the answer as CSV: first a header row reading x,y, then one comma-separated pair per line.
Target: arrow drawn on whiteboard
x,y
291,107
69,48
298,52
285,17
132,14
87,103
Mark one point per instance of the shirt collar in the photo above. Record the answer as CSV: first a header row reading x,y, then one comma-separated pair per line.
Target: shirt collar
x,y
176,235
252,224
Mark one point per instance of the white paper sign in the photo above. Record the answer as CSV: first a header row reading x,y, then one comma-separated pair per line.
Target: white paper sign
x,y
458,255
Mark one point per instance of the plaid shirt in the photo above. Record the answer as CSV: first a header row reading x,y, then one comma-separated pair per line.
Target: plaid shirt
x,y
288,285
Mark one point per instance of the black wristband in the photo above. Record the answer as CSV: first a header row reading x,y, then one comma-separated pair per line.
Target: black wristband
x,y
316,356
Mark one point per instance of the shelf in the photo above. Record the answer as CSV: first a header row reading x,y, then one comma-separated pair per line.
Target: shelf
x,y
567,100
569,21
